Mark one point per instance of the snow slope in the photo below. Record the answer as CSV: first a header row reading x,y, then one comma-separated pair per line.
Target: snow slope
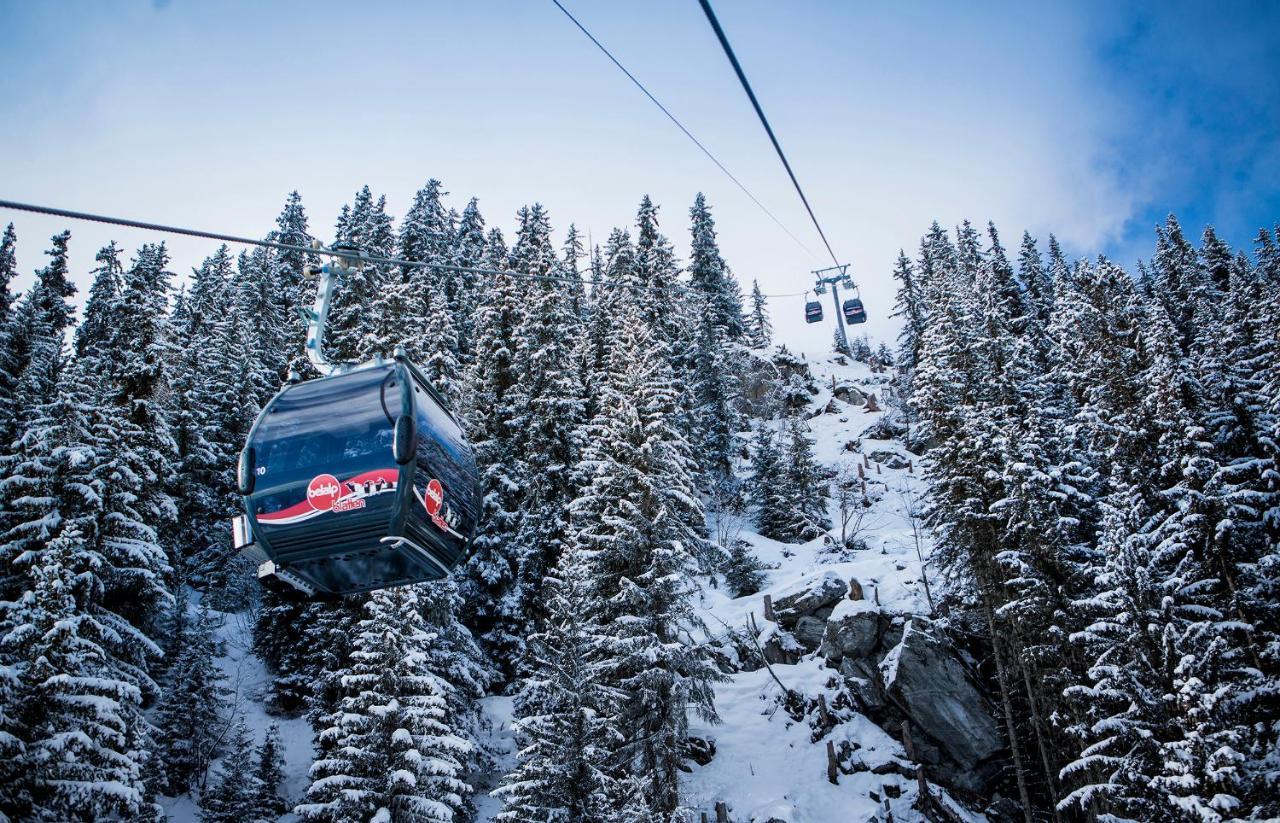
x,y
766,767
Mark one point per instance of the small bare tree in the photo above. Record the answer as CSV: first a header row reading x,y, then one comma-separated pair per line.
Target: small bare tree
x,y
849,491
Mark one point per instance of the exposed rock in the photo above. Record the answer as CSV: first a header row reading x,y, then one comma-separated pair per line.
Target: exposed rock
x,y
852,633
886,428
814,595
850,393
864,683
808,631
925,679
700,750
890,459
780,646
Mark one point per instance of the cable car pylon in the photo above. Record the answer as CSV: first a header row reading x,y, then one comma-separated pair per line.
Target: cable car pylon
x,y
851,311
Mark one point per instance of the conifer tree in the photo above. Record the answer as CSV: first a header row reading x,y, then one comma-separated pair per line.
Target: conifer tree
x,y
190,714
232,794
84,733
566,724
8,270
491,409
639,523
758,328
387,750
709,274
268,772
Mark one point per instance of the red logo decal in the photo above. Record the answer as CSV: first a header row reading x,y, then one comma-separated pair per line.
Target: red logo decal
x,y
434,497
323,491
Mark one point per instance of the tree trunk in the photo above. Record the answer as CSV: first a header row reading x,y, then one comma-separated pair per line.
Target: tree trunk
x,y
1011,728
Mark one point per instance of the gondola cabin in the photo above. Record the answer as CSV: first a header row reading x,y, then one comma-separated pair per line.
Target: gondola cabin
x,y
854,312
813,312
357,481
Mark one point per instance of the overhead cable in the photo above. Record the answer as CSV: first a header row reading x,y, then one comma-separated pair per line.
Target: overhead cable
x,y
679,125
742,78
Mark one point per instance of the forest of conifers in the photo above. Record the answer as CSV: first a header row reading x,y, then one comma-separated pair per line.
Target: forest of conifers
x,y
1101,448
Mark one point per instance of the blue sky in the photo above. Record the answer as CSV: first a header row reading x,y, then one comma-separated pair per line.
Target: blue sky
x,y
1091,120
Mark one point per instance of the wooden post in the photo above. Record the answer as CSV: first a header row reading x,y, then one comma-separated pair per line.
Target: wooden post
x,y
855,589
925,798
861,475
876,592
877,468
768,608
722,812
909,469
704,818
864,484
823,714
833,770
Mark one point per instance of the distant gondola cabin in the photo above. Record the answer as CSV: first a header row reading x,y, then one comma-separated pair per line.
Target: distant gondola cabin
x,y
854,312
813,312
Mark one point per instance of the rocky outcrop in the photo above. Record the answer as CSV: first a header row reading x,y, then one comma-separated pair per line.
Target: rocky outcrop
x,y
892,460
923,677
814,597
899,668
854,633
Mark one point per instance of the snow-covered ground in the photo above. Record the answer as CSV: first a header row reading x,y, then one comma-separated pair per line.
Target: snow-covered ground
x,y
766,766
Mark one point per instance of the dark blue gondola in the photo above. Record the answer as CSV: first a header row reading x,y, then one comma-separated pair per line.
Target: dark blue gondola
x,y
358,480
854,312
813,312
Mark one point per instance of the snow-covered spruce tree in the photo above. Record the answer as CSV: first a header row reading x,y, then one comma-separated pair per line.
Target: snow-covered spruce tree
x,y
457,659
366,226
8,270
205,408
548,417
190,717
641,526
98,328
743,571
439,349
489,576
708,273
469,249
288,268
759,329
33,334
1037,282
232,796
714,388
387,752
767,482
803,498
566,717
268,771
258,322
84,734
611,269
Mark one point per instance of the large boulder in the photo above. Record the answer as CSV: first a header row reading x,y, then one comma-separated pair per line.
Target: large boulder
x,y
852,631
927,681
809,632
814,597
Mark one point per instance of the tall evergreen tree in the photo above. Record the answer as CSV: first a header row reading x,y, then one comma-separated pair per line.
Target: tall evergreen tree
x,y
387,752
759,329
